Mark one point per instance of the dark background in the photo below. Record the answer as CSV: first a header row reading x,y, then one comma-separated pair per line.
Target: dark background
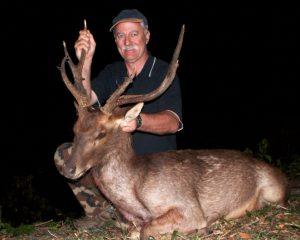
x,y
239,73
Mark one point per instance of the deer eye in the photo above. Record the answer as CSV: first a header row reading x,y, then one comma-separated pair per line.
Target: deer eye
x,y
101,135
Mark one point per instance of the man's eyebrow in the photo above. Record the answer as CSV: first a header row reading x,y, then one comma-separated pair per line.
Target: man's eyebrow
x,y
120,32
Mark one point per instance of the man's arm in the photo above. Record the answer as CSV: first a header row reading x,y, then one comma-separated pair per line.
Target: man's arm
x,y
86,42
167,120
158,123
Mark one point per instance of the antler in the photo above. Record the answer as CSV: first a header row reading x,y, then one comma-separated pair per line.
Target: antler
x,y
110,104
77,90
117,100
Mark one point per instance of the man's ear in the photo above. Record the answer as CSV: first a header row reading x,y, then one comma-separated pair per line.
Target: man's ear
x,y
133,112
147,36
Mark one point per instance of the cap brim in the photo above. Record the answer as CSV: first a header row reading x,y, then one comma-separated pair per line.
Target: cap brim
x,y
125,20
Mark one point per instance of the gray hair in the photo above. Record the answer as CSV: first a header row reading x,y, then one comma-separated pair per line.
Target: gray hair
x,y
141,23
144,25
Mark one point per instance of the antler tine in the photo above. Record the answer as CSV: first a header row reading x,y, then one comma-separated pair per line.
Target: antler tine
x,y
125,99
78,78
67,82
77,90
111,103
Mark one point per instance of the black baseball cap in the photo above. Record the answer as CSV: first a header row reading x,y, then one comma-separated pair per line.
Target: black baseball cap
x,y
129,15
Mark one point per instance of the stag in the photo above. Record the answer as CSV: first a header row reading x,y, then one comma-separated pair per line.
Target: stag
x,y
183,190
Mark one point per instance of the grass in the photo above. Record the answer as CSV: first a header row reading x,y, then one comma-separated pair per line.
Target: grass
x,y
271,222
268,223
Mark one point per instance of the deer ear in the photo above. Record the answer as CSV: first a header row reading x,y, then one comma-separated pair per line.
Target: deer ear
x,y
133,112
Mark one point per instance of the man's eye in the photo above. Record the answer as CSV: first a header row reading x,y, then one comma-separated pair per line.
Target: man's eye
x,y
120,36
134,34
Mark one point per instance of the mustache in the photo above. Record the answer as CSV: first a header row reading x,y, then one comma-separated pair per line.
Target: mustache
x,y
130,47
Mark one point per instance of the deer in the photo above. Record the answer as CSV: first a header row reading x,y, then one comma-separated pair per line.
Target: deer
x,y
184,190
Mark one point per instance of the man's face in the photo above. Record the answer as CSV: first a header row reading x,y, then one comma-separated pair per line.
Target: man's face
x,y
131,39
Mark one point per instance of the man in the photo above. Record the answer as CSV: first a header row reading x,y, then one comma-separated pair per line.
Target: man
x,y
153,130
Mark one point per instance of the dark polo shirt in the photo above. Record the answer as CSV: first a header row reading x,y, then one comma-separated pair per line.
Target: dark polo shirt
x,y
148,79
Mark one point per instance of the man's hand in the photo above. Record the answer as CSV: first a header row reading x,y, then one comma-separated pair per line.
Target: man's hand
x,y
85,42
129,126
160,123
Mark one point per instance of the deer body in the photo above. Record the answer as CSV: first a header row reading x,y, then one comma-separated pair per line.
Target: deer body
x,y
184,190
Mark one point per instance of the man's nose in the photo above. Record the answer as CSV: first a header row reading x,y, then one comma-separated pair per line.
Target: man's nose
x,y
127,40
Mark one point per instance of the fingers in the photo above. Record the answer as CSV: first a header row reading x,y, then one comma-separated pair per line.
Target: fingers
x,y
85,34
92,40
129,126
85,42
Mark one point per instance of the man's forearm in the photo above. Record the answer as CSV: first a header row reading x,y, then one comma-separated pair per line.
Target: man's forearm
x,y
159,123
86,74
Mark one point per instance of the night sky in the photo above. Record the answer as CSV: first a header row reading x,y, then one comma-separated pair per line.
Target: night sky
x,y
239,74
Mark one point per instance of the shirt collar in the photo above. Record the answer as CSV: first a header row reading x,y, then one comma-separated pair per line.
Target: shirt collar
x,y
146,69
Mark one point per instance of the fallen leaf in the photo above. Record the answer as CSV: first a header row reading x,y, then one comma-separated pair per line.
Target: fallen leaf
x,y
244,235
280,216
281,226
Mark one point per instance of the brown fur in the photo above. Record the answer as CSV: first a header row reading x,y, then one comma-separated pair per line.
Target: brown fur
x,y
183,190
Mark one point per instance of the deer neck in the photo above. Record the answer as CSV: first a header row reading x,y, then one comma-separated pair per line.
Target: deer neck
x,y
117,167
118,153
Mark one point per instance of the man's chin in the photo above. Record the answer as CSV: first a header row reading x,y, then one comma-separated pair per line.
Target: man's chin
x,y
130,59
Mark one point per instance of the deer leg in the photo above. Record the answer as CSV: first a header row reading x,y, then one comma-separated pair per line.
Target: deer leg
x,y
166,224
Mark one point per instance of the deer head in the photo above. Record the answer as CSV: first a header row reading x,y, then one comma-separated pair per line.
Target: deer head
x,y
97,131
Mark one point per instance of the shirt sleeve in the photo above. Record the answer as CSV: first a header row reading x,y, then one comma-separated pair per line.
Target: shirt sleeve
x,y
171,100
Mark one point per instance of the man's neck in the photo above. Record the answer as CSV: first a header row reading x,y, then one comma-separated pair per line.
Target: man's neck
x,y
136,67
